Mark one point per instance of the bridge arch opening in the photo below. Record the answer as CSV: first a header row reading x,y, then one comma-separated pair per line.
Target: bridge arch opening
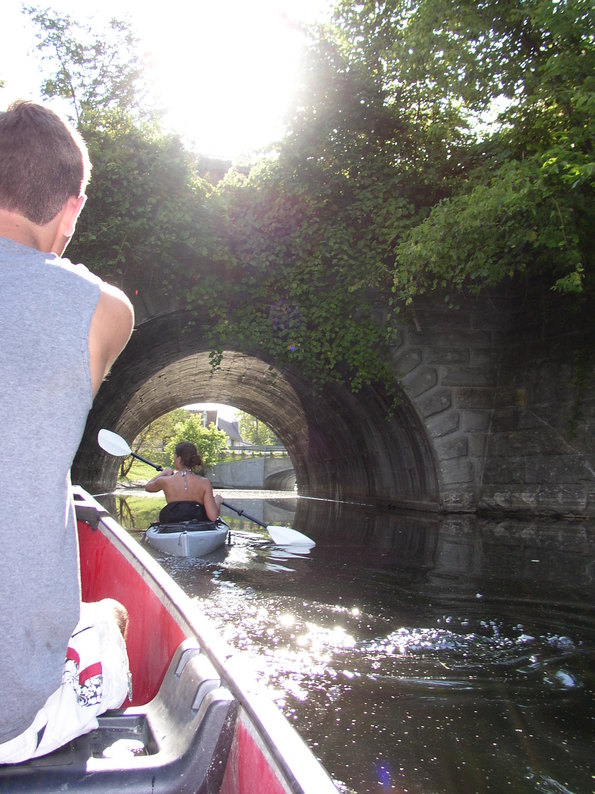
x,y
342,446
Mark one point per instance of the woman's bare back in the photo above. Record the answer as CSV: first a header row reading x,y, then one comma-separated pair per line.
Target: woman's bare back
x,y
185,486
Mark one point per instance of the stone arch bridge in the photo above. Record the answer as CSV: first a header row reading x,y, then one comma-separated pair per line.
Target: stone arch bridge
x,y
483,423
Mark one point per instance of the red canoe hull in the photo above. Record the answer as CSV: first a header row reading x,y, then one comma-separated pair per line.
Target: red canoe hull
x,y
195,723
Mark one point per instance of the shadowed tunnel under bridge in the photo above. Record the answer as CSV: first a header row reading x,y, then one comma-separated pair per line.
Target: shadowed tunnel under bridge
x,y
342,446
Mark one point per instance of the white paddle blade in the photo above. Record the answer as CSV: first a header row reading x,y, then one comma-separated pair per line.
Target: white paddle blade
x,y
113,444
284,536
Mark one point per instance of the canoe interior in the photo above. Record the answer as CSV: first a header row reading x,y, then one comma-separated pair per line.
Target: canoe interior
x,y
149,651
194,723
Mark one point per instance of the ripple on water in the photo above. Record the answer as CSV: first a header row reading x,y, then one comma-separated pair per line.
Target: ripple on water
x,y
481,660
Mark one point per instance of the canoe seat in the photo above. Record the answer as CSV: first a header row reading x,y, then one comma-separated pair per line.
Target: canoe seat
x,y
179,742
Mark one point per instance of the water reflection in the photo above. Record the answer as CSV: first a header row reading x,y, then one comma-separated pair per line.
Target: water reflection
x,y
416,653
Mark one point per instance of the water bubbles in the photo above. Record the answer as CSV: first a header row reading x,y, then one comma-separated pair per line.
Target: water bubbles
x,y
562,643
566,679
523,639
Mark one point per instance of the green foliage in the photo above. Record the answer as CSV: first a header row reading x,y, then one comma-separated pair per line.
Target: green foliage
x,y
148,224
158,440
93,70
254,431
522,200
312,235
389,183
515,223
137,471
138,512
209,441
152,440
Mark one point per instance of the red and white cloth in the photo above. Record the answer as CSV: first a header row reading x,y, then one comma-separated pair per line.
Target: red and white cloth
x,y
95,678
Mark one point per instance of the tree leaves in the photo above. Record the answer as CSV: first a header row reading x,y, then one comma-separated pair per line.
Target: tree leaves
x,y
209,441
520,198
94,70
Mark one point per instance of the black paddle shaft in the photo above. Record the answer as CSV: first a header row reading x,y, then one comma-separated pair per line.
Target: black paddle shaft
x,y
144,460
241,513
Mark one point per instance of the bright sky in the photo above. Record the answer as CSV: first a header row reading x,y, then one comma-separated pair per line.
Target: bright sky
x,y
226,412
225,71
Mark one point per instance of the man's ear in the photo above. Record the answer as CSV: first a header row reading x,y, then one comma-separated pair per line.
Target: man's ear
x,y
70,213
61,228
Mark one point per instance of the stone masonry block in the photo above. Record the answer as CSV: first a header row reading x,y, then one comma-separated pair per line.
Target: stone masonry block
x,y
439,317
443,424
406,362
526,443
562,500
477,445
397,338
457,499
488,320
507,500
457,470
451,338
469,376
420,382
506,419
473,398
504,471
445,355
438,401
556,470
449,448
476,421
484,358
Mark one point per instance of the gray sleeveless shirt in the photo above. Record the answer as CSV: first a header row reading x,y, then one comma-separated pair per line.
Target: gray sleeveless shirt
x,y
46,306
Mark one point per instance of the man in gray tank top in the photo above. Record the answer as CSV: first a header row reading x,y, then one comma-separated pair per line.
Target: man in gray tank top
x,y
61,329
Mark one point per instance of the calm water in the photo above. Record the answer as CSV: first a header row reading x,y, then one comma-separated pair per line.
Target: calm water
x,y
415,654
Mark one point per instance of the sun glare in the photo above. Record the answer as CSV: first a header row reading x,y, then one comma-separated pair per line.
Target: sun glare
x,y
227,75
224,73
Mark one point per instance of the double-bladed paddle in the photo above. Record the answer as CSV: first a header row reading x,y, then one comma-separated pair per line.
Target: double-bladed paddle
x,y
115,445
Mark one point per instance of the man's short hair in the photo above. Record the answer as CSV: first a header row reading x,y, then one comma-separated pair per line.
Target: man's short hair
x,y
43,161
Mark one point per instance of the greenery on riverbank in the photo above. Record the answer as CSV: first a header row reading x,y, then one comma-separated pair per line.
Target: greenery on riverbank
x,y
138,472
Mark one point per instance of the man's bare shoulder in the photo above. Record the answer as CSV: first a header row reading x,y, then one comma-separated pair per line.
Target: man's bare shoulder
x,y
111,327
114,306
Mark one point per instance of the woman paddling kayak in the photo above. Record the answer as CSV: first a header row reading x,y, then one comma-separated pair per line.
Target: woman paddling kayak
x,y
189,496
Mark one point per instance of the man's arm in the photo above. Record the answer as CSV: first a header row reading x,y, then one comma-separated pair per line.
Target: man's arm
x,y
111,327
